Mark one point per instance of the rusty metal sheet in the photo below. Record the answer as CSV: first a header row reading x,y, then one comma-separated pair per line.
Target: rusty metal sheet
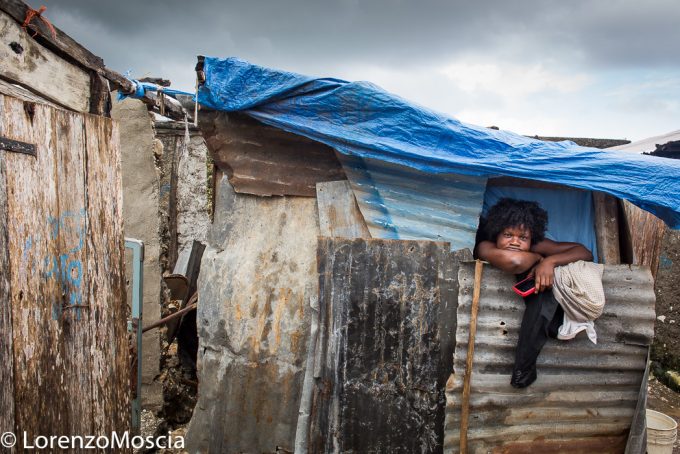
x,y
585,395
387,318
257,283
264,160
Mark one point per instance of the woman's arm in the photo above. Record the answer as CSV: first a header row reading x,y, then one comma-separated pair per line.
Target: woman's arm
x,y
511,261
556,254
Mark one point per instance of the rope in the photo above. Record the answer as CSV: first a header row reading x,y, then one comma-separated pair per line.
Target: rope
x,y
32,14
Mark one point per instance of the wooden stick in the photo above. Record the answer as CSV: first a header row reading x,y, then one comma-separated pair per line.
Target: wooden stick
x,y
465,409
191,305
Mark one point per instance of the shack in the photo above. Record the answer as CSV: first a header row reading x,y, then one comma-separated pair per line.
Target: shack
x,y
335,290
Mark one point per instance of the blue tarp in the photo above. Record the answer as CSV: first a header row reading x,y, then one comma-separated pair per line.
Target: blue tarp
x,y
361,119
142,87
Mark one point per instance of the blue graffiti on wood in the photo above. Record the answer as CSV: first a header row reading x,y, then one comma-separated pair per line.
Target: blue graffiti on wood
x,y
64,267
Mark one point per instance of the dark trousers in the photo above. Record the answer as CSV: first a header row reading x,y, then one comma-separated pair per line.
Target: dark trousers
x,y
542,318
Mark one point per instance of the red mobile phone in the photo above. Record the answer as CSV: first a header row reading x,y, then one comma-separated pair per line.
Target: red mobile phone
x,y
525,287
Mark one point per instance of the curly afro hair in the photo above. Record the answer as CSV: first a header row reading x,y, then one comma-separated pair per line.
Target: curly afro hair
x,y
514,213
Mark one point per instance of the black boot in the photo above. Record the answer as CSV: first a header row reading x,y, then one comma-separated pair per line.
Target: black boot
x,y
523,378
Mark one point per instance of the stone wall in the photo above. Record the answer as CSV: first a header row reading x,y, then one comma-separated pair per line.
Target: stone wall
x,y
183,188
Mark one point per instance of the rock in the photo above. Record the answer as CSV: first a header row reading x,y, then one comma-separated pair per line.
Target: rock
x,y
674,377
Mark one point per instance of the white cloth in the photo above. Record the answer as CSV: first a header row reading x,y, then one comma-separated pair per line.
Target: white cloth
x,y
570,328
578,289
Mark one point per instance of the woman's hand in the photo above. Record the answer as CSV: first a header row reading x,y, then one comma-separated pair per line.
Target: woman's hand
x,y
544,274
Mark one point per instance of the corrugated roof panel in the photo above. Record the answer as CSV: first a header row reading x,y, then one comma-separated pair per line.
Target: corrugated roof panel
x,y
585,394
403,203
263,160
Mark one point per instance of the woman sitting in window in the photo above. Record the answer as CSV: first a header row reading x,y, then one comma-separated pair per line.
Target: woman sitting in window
x,y
515,242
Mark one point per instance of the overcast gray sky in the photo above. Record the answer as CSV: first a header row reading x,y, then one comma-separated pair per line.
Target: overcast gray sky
x,y
608,69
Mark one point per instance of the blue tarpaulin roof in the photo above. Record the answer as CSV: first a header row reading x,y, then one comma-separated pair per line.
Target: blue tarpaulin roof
x,y
360,119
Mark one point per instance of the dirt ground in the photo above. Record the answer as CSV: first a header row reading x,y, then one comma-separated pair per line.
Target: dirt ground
x,y
666,348
664,400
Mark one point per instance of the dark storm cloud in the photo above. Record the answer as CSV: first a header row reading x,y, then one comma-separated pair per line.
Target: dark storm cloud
x,y
395,33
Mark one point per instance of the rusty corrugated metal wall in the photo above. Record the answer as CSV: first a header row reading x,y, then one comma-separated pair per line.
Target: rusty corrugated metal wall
x,y
63,287
387,318
585,395
264,160
257,285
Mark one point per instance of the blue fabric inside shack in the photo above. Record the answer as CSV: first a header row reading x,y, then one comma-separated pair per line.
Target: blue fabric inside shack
x,y
362,120
571,216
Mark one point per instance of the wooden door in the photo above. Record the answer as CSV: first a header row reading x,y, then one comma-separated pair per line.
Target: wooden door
x,y
63,342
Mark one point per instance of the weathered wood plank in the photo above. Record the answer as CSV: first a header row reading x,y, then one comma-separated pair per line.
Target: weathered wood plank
x,y
32,211
645,232
382,369
19,92
70,228
68,340
36,67
63,45
339,214
105,262
607,228
6,356
100,95
17,9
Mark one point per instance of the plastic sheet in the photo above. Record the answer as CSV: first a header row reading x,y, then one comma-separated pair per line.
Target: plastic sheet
x,y
360,119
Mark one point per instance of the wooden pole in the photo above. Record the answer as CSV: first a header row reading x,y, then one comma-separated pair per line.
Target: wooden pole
x,y
465,409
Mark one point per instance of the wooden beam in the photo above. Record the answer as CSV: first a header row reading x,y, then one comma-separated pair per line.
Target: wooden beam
x,y
339,214
169,109
63,45
607,228
30,64
23,93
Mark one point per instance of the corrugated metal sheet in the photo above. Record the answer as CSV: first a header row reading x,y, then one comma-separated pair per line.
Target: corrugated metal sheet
x,y
257,282
385,345
264,160
585,395
402,203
